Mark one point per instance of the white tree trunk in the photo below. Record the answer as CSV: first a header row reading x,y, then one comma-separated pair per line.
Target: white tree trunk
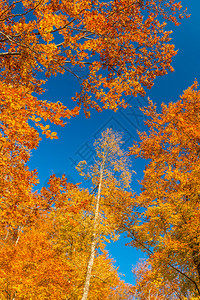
x,y
94,241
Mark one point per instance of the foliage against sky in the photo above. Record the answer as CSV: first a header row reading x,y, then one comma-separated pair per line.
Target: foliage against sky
x,y
113,49
166,220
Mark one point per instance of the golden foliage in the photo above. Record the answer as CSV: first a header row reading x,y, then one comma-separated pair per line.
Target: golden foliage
x,y
167,224
120,46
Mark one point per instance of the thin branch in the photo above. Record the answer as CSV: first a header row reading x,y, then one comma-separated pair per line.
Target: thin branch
x,y
66,25
68,70
185,276
82,30
10,53
18,231
6,235
9,7
63,27
23,14
14,41
95,276
122,9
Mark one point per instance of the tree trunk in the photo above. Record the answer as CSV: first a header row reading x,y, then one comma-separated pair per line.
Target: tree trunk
x,y
94,241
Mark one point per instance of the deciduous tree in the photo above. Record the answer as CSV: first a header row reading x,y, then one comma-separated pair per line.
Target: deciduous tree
x,y
108,174
166,220
122,46
47,258
150,284
17,138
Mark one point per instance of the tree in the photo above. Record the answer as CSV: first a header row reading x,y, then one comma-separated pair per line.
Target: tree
x,y
47,258
108,174
150,284
121,46
74,242
166,220
17,138
30,265
32,268
39,39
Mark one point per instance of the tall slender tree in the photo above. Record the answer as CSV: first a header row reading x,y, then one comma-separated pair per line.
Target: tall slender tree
x,y
110,171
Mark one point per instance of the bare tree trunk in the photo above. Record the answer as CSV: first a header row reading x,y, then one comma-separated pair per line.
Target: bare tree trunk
x,y
94,240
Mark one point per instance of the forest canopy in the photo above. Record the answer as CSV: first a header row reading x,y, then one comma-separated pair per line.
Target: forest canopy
x,y
53,240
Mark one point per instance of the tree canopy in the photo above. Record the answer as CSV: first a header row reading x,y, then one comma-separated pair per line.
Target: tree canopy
x,y
113,48
166,221
53,241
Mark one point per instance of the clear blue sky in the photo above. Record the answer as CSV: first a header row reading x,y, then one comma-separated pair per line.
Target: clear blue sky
x,y
76,139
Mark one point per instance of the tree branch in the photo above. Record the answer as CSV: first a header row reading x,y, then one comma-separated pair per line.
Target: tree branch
x,y
9,53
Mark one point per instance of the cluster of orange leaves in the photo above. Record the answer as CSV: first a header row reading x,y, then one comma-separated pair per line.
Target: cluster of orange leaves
x,y
113,49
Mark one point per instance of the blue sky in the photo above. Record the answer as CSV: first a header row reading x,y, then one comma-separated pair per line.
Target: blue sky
x,y
77,137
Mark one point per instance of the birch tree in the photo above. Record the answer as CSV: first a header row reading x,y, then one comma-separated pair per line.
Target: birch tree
x,y
109,175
